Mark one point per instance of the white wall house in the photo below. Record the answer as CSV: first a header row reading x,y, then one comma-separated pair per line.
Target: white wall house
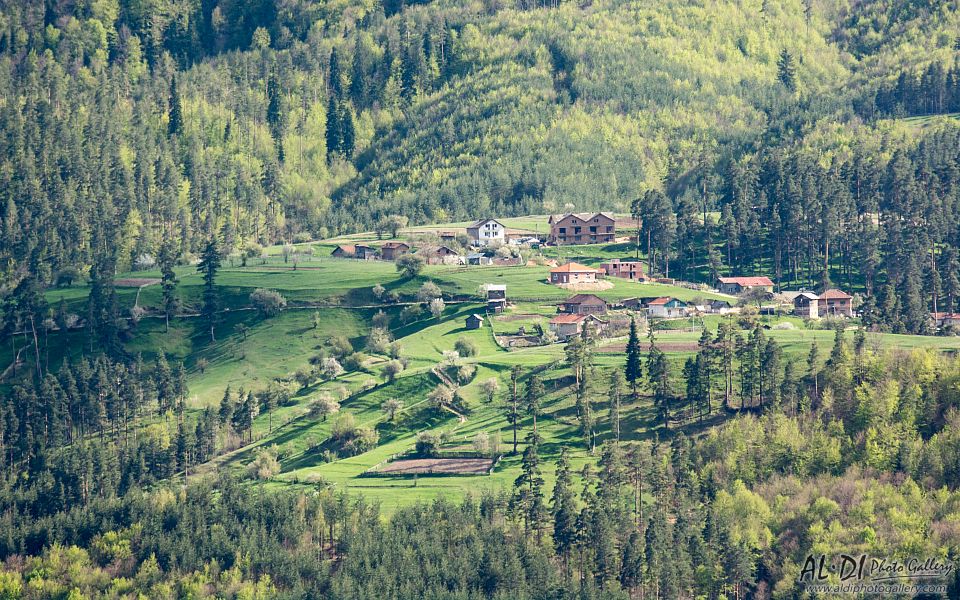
x,y
486,232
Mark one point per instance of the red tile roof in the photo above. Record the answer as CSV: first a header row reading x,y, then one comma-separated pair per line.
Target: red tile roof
x,y
659,301
835,294
565,318
747,281
573,268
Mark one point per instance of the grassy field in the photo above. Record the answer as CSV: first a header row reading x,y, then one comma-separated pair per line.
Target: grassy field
x,y
332,297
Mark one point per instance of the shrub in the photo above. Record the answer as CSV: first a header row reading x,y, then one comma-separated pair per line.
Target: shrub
x,y
379,341
391,370
436,307
268,302
428,291
391,407
465,348
332,368
410,314
428,444
324,406
265,465
410,265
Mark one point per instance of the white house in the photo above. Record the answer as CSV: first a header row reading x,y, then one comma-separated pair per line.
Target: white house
x,y
487,231
666,308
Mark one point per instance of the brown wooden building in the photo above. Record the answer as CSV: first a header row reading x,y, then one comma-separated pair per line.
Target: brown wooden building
x,y
582,228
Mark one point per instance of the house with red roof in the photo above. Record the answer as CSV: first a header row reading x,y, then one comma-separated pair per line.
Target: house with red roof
x,y
393,250
835,303
831,303
573,273
568,325
738,285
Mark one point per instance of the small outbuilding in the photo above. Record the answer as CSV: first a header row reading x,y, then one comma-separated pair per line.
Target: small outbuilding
x,y
474,321
393,250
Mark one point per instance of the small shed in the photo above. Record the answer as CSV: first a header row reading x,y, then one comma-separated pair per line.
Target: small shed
x,y
474,321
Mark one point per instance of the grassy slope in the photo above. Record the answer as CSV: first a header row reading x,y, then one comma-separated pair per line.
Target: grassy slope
x,y
277,347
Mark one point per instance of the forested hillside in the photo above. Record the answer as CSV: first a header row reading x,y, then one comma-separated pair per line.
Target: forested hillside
x,y
268,119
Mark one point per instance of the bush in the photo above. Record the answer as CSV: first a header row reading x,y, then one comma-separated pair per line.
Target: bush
x,y
465,348
465,374
324,406
428,291
265,465
410,265
410,314
391,370
340,346
268,302
428,444
332,368
379,341
436,307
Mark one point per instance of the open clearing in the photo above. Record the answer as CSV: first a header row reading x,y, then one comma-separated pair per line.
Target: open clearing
x,y
436,466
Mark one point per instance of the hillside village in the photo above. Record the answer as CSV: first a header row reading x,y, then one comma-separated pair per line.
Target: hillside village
x,y
489,242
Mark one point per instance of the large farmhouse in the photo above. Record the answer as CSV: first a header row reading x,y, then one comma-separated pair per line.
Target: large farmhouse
x,y
582,228
831,303
737,285
584,304
487,231
567,325
572,273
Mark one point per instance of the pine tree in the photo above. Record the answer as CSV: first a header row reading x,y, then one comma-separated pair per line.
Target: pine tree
x,y
615,393
513,413
786,70
533,397
634,368
334,130
175,122
347,131
227,407
529,489
658,374
168,279
209,264
275,118
564,511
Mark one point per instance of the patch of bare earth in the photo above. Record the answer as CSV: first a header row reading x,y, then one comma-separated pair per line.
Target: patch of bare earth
x,y
663,346
437,466
587,286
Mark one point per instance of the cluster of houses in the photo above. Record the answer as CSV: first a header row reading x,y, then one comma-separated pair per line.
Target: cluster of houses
x,y
570,228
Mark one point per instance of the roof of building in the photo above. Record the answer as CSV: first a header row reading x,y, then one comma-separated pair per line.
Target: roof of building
x,y
395,245
660,301
573,267
719,303
807,295
582,216
349,248
476,255
747,281
945,315
835,294
623,260
496,287
584,298
475,316
482,221
568,318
